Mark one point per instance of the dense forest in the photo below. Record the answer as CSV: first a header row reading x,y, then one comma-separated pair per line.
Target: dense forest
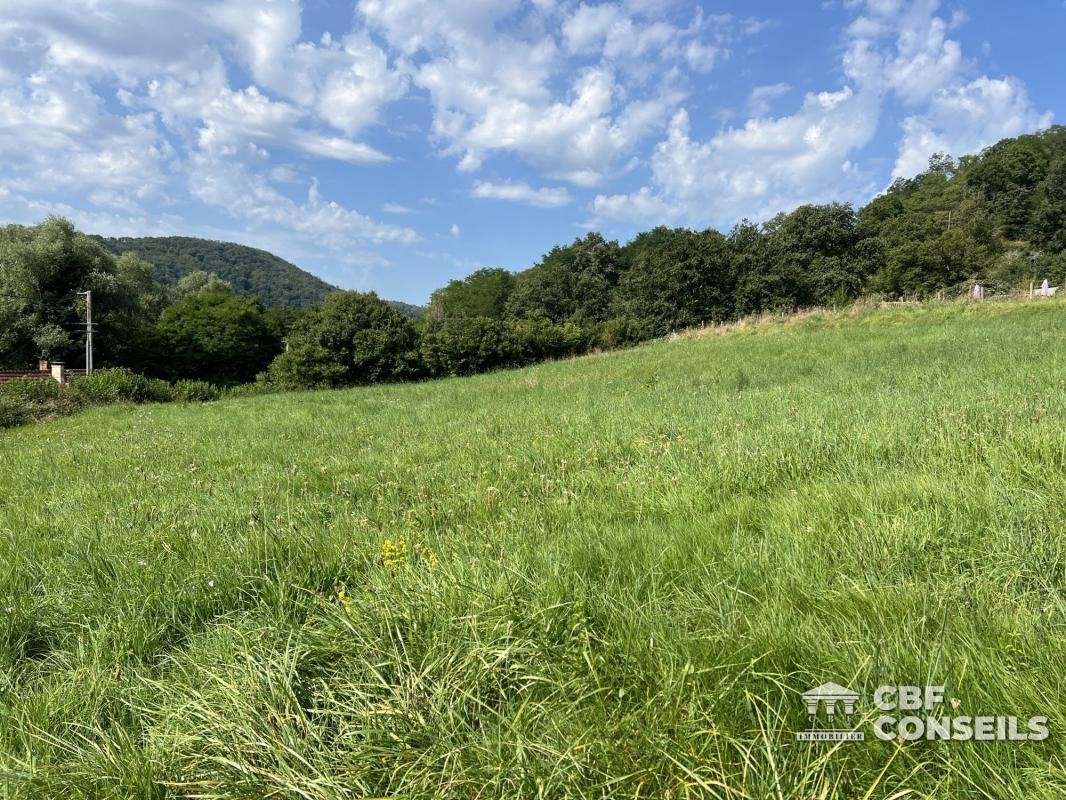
x,y
998,218
250,272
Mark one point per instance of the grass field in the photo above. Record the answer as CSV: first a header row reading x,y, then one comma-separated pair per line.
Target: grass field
x,y
606,577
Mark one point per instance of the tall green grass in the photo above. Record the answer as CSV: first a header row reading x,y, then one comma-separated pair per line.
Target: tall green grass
x,y
606,577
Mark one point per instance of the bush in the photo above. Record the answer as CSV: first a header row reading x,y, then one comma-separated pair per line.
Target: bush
x,y
619,332
195,392
13,413
262,385
464,346
531,340
217,337
119,385
28,399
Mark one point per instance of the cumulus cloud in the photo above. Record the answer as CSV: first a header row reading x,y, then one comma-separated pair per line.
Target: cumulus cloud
x,y
544,197
58,136
505,78
755,170
762,98
250,197
354,93
922,60
641,207
966,119
130,103
893,51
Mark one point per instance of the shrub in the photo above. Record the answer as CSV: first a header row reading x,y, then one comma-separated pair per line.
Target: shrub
x,y
118,385
195,392
531,340
28,399
217,337
619,332
464,346
262,385
13,412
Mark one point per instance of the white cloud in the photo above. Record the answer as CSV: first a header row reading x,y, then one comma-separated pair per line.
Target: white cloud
x,y
640,207
396,208
766,166
894,49
586,30
504,77
632,36
544,197
250,198
338,149
454,231
170,123
57,136
921,60
966,119
762,98
263,33
352,96
106,222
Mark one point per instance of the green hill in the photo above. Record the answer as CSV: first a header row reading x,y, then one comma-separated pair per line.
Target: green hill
x,y
406,309
249,271
611,576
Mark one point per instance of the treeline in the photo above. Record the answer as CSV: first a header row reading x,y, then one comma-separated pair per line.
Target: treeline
x,y
998,218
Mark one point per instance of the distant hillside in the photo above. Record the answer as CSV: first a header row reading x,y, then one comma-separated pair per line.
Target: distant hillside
x,y
249,271
406,309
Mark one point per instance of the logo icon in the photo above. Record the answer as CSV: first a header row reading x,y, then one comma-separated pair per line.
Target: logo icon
x,y
830,695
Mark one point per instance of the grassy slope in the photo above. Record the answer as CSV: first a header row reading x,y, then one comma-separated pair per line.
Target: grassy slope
x,y
642,559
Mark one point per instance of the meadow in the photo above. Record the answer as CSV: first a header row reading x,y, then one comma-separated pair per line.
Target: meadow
x,y
611,576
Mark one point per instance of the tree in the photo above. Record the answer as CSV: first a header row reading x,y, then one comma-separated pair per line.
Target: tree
x,y
463,346
678,278
921,268
481,294
1007,174
352,338
215,336
570,284
200,282
43,269
1049,224
808,258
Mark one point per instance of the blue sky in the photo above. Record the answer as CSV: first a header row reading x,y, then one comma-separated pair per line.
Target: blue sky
x,y
395,144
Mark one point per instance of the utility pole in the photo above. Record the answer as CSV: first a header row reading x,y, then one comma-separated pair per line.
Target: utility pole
x,y
88,332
